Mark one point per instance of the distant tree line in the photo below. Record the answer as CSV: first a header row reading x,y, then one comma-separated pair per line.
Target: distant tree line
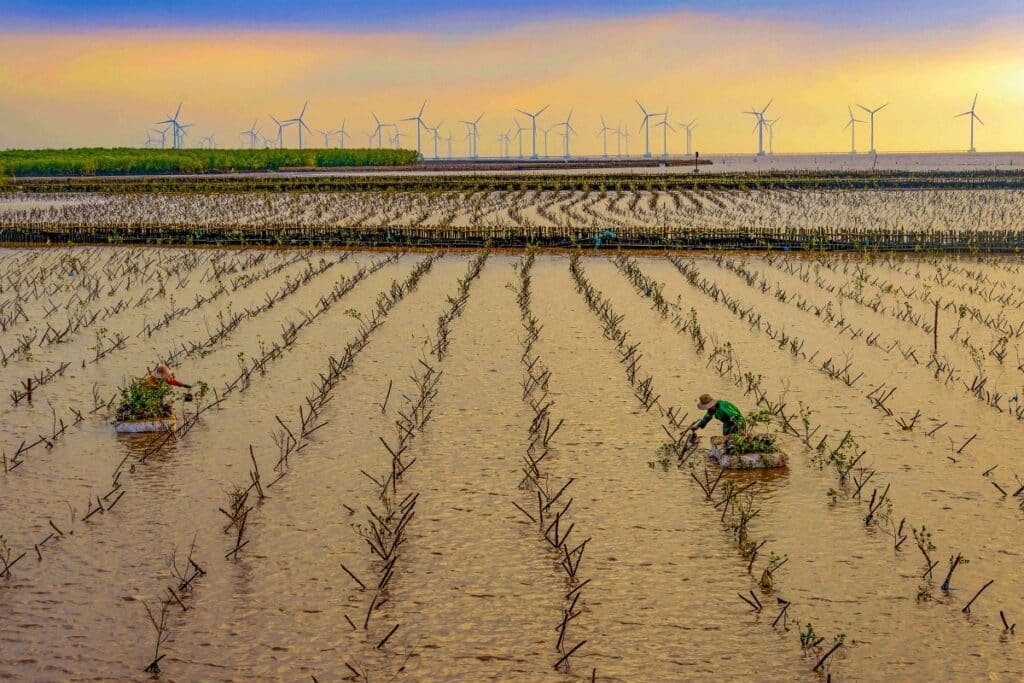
x,y
132,161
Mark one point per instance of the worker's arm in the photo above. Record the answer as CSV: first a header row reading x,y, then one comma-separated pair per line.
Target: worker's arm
x,y
175,383
703,422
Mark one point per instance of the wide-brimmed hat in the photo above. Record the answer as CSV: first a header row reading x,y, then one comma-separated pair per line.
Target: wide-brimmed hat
x,y
161,370
706,401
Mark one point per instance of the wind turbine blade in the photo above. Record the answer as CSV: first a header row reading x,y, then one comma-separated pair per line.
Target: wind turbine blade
x,y
524,113
978,118
422,108
375,119
865,108
882,107
966,113
541,110
974,102
304,105
641,107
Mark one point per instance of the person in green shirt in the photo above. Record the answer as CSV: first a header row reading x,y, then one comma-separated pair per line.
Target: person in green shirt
x,y
717,409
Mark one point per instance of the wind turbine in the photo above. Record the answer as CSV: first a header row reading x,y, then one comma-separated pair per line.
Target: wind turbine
x,y
449,141
618,141
369,140
207,142
326,134
771,135
759,125
519,134
149,139
872,112
434,130
533,117
973,118
378,131
474,135
396,140
625,135
604,133
665,126
689,135
419,124
299,123
251,133
178,135
546,131
852,125
280,131
566,131
646,126
163,137
342,134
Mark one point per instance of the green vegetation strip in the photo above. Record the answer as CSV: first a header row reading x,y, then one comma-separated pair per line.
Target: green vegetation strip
x,y
129,161
406,182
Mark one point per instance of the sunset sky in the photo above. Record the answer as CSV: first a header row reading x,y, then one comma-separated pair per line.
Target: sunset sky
x,y
100,73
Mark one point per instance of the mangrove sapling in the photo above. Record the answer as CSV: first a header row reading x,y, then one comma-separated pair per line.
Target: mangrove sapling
x,y
767,580
159,623
954,562
923,539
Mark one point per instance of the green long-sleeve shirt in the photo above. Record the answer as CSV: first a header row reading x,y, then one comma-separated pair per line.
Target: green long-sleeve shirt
x,y
728,414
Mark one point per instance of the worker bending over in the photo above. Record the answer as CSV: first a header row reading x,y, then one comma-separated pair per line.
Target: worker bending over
x,y
723,411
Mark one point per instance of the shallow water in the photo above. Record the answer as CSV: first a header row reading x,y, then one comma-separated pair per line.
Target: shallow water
x,y
476,592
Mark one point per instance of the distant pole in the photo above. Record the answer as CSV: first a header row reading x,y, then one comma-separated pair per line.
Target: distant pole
x,y
935,333
696,156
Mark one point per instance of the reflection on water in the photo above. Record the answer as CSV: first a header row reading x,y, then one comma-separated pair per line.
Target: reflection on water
x,y
476,592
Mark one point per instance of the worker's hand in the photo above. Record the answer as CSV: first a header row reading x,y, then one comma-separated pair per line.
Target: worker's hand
x,y
187,386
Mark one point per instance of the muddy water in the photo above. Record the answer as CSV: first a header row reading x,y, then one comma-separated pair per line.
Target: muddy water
x,y
477,593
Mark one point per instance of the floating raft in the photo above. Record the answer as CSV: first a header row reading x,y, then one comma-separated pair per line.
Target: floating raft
x,y
163,424
745,461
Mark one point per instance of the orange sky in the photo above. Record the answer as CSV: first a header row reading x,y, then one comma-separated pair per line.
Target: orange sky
x,y
105,88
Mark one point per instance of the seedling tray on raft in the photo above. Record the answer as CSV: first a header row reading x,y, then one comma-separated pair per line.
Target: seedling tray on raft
x,y
160,424
745,461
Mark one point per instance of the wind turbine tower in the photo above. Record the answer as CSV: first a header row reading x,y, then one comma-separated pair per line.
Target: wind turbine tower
x,y
474,135
519,134
280,132
852,125
973,118
252,134
299,123
342,134
665,126
872,113
604,136
567,130
178,130
533,118
771,134
645,124
759,125
419,124
688,127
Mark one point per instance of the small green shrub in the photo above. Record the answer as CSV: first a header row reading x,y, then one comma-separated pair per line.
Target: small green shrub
x,y
141,400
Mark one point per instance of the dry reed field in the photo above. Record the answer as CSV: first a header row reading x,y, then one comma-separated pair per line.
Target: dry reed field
x,y
430,465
